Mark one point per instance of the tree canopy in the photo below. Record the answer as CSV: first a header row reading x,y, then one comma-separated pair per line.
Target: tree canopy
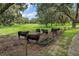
x,y
10,13
59,12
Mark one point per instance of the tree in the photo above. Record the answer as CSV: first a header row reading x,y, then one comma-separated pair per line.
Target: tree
x,y
69,11
10,13
34,20
62,18
65,8
5,7
46,12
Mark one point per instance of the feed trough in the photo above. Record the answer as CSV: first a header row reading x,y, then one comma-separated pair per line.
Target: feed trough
x,y
45,42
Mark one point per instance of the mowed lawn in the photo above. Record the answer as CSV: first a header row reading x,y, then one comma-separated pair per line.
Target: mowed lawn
x,y
24,27
15,28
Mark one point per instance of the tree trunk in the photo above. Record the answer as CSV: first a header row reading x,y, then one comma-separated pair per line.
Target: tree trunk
x,y
76,18
46,25
56,24
73,24
51,24
62,24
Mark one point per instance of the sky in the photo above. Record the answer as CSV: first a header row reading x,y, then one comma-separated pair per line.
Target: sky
x,y
30,12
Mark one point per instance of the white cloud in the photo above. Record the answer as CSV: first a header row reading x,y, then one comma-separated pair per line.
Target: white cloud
x,y
30,15
21,12
29,12
24,15
29,6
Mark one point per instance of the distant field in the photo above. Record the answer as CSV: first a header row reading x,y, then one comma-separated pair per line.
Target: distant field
x,y
13,29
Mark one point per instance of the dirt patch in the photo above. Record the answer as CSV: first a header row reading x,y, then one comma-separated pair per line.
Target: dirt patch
x,y
12,46
34,49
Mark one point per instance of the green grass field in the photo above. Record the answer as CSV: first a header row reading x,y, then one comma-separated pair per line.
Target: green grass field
x,y
24,27
13,29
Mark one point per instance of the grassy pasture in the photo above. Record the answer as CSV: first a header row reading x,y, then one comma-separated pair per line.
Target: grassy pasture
x,y
13,29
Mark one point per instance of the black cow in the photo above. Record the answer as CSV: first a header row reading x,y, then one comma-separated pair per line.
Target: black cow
x,y
33,37
44,31
55,31
23,33
38,30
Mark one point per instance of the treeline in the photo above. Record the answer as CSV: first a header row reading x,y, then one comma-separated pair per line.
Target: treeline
x,y
59,13
47,13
